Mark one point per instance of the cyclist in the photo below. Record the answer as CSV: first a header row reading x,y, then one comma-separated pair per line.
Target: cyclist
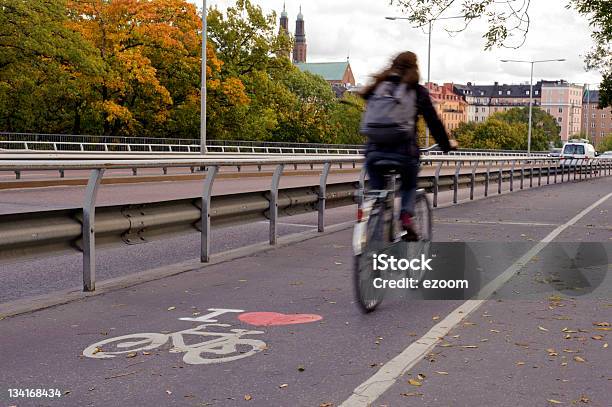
x,y
401,79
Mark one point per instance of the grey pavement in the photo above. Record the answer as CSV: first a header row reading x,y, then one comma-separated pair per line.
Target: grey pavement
x,y
536,352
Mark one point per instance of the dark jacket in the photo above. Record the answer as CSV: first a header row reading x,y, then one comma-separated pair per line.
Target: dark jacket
x,y
426,109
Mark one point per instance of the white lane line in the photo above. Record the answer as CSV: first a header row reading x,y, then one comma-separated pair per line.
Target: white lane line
x,y
367,392
484,222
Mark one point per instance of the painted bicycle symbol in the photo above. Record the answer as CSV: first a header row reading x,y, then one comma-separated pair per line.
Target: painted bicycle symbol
x,y
224,347
214,346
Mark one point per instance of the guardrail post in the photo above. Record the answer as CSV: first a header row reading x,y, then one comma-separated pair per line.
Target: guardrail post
x,y
512,176
548,173
61,173
134,171
531,176
165,170
437,184
522,173
361,192
473,180
88,230
17,174
205,233
500,179
278,172
487,179
323,196
456,180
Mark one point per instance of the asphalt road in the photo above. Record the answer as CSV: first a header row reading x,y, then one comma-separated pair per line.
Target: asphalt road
x,y
35,277
548,350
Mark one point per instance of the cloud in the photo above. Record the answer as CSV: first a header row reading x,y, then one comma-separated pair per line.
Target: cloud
x,y
337,28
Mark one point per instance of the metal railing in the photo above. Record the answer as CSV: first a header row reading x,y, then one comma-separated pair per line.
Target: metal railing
x,y
31,142
83,229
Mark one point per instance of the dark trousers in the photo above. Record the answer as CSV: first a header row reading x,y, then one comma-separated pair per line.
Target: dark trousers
x,y
408,173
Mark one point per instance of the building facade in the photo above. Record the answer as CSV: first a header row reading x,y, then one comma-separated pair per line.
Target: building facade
x,y
451,107
563,101
596,122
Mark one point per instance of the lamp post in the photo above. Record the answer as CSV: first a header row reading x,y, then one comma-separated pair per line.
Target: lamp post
x,y
430,22
203,149
531,92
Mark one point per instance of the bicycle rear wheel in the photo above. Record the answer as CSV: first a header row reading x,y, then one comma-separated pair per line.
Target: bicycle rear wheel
x,y
423,225
367,296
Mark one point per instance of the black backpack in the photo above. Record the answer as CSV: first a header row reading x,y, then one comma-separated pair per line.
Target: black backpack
x,y
390,114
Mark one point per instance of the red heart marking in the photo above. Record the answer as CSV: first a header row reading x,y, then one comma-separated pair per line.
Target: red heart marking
x,y
275,318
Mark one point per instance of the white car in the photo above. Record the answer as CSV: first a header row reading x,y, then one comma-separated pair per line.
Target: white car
x,y
606,156
578,149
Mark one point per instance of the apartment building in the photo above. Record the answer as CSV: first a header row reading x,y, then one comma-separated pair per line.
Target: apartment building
x,y
596,122
485,100
451,107
563,101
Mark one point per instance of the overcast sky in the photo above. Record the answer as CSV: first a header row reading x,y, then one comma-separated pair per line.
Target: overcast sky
x,y
338,28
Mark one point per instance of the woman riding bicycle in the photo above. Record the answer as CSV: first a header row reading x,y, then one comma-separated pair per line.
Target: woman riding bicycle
x,y
401,82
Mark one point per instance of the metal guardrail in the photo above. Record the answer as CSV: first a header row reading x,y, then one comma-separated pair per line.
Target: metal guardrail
x,y
84,229
31,142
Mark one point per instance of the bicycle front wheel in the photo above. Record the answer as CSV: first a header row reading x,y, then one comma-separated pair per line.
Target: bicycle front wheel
x,y
367,296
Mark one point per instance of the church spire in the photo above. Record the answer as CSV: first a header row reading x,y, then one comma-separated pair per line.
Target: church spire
x,y
299,51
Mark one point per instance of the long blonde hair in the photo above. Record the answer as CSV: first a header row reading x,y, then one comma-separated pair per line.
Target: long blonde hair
x,y
404,65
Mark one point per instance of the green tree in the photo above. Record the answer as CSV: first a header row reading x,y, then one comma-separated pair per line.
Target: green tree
x,y
43,67
545,129
605,144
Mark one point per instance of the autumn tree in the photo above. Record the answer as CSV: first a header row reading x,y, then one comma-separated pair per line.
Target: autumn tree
x,y
145,46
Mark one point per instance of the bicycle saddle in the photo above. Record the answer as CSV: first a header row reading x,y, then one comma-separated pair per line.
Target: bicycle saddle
x,y
387,165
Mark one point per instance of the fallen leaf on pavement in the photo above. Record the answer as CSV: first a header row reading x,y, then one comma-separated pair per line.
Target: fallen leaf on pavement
x,y
411,394
601,323
131,355
541,328
282,386
597,337
326,405
579,359
248,397
414,382
551,401
171,308
168,392
435,318
442,373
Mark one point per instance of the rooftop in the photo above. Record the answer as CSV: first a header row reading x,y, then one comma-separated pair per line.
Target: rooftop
x,y
591,96
330,71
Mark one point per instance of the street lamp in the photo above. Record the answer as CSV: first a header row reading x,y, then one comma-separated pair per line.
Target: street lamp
x,y
531,91
430,22
203,149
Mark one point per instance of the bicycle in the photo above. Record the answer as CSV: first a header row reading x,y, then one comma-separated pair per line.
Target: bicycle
x,y
226,347
378,228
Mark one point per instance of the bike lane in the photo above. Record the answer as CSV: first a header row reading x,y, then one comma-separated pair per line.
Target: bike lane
x,y
318,362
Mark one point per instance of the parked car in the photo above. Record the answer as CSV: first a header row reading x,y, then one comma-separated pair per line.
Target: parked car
x,y
606,155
